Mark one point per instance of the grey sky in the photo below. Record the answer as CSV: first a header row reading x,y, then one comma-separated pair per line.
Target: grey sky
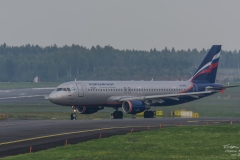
x,y
123,24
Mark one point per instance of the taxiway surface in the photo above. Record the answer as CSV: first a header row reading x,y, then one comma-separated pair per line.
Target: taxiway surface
x,y
25,95
16,136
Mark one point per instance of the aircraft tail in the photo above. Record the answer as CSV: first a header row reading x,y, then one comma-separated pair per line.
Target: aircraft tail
x,y
206,72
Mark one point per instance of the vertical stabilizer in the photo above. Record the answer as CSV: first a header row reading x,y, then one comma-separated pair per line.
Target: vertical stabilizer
x,y
207,71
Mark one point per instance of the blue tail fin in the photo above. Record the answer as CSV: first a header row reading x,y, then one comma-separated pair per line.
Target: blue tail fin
x,y
206,72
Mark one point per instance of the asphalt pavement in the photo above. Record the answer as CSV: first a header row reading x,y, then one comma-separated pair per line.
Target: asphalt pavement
x,y
16,136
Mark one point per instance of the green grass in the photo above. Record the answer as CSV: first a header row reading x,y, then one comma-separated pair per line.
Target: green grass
x,y
198,142
47,110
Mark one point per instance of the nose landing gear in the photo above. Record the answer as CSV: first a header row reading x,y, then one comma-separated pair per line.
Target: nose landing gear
x,y
73,115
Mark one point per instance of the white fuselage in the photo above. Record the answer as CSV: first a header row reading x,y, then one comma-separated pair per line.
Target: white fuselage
x,y
100,93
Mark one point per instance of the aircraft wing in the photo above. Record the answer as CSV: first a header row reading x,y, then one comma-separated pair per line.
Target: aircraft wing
x,y
174,96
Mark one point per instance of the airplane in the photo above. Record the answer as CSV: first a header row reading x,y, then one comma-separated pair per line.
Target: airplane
x,y
87,97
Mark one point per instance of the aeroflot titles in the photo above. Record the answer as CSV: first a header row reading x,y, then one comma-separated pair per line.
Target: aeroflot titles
x,y
101,84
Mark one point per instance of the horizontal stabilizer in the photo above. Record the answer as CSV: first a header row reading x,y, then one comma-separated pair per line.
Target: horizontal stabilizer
x,y
224,87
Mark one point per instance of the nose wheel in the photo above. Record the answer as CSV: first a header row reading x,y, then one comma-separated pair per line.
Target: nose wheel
x,y
73,115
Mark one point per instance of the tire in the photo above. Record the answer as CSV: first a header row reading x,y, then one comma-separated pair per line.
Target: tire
x,y
148,114
117,115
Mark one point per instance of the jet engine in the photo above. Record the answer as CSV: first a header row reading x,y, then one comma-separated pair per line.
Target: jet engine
x,y
133,106
88,109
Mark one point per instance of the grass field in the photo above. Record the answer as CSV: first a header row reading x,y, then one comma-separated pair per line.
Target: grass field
x,y
213,142
223,105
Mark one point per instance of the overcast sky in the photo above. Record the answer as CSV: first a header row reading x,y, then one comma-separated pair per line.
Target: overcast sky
x,y
123,24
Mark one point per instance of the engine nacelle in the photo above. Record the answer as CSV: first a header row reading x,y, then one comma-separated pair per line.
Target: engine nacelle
x,y
87,109
133,106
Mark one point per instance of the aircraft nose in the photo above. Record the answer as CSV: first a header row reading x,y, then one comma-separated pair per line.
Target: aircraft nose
x,y
53,97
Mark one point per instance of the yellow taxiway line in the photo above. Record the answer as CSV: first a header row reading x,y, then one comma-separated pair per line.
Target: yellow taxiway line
x,y
67,133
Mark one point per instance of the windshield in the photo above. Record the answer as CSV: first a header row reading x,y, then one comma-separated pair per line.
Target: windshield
x,y
63,89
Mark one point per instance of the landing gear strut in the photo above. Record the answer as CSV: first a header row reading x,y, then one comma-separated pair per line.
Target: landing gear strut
x,y
117,114
73,115
148,114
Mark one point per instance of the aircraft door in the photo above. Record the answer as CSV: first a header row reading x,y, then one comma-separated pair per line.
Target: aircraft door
x,y
129,90
125,90
195,88
80,90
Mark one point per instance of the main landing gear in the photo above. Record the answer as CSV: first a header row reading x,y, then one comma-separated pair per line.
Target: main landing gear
x,y
117,114
148,114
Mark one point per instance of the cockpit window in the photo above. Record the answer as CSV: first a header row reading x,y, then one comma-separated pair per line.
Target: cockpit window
x,y
63,89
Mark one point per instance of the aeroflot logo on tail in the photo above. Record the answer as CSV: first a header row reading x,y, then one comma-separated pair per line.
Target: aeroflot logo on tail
x,y
101,84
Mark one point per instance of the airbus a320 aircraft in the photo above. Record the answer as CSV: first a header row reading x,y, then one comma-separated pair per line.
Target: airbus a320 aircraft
x,y
88,97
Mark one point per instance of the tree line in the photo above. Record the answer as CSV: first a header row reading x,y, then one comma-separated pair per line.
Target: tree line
x,y
54,63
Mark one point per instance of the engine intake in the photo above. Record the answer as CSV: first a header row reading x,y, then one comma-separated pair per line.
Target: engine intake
x,y
133,106
87,109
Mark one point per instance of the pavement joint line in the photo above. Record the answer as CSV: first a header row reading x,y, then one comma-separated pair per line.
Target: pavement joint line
x,y
67,133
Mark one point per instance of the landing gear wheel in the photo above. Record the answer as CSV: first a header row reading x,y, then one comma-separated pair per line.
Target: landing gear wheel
x,y
148,114
117,115
73,115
